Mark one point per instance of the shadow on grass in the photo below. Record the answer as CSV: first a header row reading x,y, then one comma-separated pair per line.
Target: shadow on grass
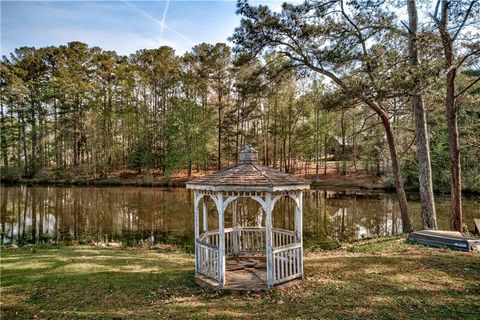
x,y
89,282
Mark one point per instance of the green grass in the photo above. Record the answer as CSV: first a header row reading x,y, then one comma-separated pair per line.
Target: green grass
x,y
387,279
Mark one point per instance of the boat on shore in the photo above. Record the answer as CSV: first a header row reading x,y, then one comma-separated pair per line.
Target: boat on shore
x,y
445,239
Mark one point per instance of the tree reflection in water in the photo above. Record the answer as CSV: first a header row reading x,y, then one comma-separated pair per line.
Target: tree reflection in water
x,y
134,215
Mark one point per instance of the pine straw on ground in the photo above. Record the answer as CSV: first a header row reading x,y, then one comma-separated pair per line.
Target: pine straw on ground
x,y
386,279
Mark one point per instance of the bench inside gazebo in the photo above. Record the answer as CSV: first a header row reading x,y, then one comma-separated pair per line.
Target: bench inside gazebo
x,y
247,257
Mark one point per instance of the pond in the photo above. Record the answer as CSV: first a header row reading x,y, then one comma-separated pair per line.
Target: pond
x,y
133,215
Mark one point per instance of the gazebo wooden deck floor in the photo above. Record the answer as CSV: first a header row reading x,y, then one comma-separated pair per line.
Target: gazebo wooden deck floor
x,y
244,274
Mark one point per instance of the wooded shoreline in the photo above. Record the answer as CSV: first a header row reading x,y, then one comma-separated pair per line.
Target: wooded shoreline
x,y
165,182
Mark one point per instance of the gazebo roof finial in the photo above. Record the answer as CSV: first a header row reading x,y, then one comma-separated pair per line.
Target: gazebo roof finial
x,y
248,175
248,155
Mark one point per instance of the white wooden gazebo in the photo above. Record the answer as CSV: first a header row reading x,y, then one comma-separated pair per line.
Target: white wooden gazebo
x,y
252,257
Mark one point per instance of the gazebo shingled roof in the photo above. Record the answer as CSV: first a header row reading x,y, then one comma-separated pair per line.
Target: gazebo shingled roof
x,y
248,174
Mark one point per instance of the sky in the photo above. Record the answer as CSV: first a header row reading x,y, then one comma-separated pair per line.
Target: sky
x,y
123,26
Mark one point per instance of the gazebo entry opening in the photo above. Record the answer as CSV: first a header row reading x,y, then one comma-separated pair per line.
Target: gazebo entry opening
x,y
250,256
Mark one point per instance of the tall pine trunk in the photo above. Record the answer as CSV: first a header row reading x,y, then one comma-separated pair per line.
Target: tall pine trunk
x,y
454,150
24,144
33,135
317,142
402,199
429,217
219,160
325,151
452,123
3,138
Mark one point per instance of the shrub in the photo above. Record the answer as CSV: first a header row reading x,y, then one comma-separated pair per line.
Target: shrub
x,y
10,174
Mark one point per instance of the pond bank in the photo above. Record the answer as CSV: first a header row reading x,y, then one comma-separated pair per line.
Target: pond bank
x,y
358,180
385,278
149,180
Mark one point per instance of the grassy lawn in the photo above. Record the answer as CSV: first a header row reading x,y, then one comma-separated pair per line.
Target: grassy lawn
x,y
386,279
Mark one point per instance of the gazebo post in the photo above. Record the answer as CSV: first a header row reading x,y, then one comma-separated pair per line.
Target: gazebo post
x,y
221,240
204,207
299,226
197,228
268,238
235,229
259,216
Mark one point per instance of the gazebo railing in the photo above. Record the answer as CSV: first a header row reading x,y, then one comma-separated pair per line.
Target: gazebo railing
x,y
249,240
282,237
239,240
207,259
210,237
287,251
287,262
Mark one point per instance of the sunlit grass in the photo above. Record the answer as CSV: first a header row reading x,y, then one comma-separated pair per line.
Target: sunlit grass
x,y
384,279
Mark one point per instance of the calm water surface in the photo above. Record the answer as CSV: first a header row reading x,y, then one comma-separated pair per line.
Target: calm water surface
x,y
133,215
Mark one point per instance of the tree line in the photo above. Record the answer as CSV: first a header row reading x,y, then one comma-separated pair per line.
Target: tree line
x,y
366,83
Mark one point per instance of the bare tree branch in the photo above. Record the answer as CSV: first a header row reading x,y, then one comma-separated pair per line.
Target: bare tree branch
x,y
468,87
464,19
